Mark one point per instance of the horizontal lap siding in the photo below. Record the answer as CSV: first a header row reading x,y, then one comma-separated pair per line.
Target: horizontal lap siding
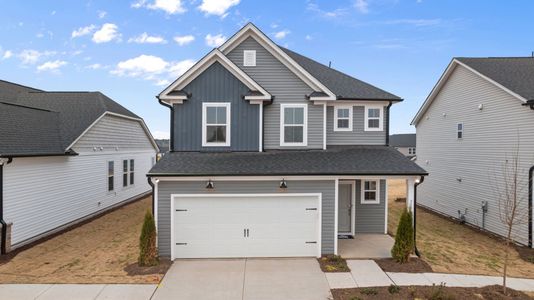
x,y
358,135
370,218
166,188
490,137
216,84
286,87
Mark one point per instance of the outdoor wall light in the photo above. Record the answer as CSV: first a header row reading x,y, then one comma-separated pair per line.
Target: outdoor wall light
x,y
210,185
283,184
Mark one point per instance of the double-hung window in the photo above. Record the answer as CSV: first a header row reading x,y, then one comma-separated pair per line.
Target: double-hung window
x,y
343,118
293,124
125,173
128,174
111,176
460,131
215,124
374,116
370,192
132,173
411,151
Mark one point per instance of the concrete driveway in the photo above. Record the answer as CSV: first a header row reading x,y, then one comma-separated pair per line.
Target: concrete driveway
x,y
239,279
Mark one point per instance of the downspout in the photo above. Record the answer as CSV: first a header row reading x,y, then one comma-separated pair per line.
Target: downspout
x,y
387,124
530,174
415,215
149,179
3,241
171,107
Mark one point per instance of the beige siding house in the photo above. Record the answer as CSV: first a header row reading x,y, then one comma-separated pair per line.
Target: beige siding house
x,y
468,129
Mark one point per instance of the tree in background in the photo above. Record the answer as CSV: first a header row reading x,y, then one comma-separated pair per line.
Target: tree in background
x,y
148,253
404,243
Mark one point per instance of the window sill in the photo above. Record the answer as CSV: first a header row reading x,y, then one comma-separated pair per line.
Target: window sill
x,y
343,129
370,202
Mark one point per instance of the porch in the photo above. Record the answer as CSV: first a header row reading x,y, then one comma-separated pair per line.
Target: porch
x,y
366,245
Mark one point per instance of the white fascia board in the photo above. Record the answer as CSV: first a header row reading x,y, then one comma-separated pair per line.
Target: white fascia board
x,y
358,103
280,177
214,56
267,43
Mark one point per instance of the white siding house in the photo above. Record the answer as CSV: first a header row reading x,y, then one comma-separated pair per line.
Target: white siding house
x,y
468,130
44,193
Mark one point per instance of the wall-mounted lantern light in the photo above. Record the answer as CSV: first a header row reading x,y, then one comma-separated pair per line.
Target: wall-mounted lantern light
x,y
283,184
210,185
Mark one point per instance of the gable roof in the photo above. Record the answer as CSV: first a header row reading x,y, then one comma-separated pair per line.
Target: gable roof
x,y
514,75
65,116
343,85
402,140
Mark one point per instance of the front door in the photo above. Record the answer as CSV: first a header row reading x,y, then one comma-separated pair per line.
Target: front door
x,y
345,208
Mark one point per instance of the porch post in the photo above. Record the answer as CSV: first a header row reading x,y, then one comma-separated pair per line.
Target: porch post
x,y
410,182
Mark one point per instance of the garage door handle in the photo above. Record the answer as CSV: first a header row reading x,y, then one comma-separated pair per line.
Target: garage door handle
x,y
244,233
311,242
181,244
181,210
311,208
247,233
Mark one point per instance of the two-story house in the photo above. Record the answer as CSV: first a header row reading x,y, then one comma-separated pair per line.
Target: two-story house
x,y
473,127
272,155
404,142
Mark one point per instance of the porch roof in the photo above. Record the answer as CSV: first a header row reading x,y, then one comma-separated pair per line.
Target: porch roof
x,y
339,160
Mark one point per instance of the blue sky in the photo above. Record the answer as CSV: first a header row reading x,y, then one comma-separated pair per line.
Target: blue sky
x,y
129,50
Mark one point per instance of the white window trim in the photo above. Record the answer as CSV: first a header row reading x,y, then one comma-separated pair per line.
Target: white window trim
x,y
380,120
245,52
336,118
283,106
362,198
458,130
112,175
205,105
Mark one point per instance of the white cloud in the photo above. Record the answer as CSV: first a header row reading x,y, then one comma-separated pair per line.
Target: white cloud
x,y
94,66
281,34
30,56
169,6
217,7
362,6
7,54
51,65
325,13
308,37
107,33
414,22
184,39
83,31
102,14
144,38
153,68
215,40
160,135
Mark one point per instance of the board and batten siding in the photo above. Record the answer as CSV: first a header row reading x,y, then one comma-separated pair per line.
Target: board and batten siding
x,y
370,218
463,173
216,84
286,87
358,135
166,188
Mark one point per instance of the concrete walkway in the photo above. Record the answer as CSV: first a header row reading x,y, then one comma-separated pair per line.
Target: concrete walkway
x,y
366,273
77,291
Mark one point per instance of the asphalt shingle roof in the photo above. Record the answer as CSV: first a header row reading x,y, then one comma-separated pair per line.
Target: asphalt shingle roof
x,y
402,140
347,160
514,73
343,85
73,113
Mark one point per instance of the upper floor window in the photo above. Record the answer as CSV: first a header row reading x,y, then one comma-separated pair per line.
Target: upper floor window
x,y
111,176
411,151
343,118
460,130
370,191
293,124
249,58
125,173
132,173
374,116
215,124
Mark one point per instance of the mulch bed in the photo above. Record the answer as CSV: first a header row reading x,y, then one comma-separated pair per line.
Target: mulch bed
x,y
526,253
414,265
135,269
333,263
427,292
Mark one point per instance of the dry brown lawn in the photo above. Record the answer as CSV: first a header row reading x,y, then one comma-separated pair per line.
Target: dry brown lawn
x,y
96,252
453,248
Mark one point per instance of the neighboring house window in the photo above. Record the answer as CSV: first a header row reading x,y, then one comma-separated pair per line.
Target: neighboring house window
x,y
460,130
411,151
343,118
132,173
111,176
249,58
374,116
293,124
215,124
370,191
125,173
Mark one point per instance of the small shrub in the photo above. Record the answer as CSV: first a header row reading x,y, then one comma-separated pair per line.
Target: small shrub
x,y
438,292
393,289
412,291
530,259
404,243
369,291
148,253
355,298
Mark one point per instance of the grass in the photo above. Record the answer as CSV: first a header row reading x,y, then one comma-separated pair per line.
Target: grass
x,y
96,252
450,247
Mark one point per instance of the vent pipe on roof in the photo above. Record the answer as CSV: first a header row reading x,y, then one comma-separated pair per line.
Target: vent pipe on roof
x,y
330,62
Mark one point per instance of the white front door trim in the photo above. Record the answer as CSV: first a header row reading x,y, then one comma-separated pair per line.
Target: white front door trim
x,y
352,183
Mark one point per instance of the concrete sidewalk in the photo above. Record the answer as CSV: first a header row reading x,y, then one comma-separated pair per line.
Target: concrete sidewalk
x,y
366,273
77,291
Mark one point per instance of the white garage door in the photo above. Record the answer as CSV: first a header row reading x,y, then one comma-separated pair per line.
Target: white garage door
x,y
277,225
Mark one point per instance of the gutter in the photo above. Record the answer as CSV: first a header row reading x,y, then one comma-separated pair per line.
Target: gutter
x,y
11,156
530,174
387,124
415,215
3,240
171,138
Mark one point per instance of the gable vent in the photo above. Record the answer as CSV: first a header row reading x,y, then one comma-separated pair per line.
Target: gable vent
x,y
249,58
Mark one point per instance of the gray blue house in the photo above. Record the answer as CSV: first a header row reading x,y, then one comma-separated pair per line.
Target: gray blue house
x,y
272,155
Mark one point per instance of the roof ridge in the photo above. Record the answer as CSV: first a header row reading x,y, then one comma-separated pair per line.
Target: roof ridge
x,y
21,85
494,57
26,106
